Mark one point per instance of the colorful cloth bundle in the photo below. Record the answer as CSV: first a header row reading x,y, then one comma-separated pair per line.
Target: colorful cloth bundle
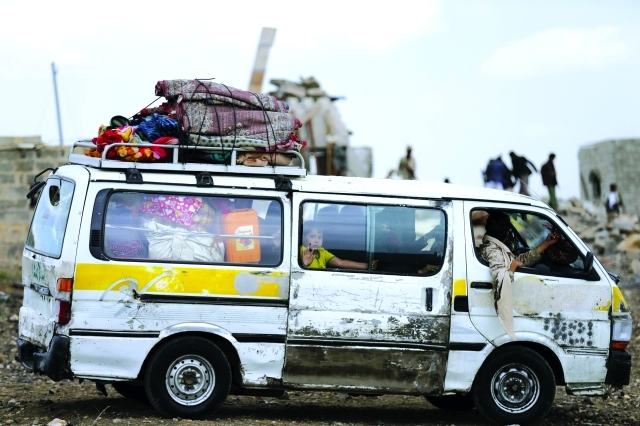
x,y
128,153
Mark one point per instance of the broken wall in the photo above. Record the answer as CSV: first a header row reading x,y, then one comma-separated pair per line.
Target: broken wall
x,y
21,160
613,161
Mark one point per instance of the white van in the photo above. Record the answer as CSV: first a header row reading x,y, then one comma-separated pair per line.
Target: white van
x,y
183,283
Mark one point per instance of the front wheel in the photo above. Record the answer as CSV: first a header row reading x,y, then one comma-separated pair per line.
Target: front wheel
x,y
515,386
187,377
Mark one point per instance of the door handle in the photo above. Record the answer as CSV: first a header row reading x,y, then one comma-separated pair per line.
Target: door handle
x,y
429,299
482,285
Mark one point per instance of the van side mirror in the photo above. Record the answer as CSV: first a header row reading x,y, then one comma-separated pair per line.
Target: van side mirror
x,y
588,262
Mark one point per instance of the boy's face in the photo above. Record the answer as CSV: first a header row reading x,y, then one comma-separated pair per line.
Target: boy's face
x,y
313,239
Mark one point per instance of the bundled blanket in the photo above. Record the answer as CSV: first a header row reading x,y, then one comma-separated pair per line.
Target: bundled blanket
x,y
213,109
221,120
201,90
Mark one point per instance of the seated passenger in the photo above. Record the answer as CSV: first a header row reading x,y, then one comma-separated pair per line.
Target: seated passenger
x,y
313,255
402,255
270,226
503,263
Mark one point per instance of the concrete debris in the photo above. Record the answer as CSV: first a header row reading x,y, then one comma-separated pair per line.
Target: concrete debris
x,y
57,422
616,243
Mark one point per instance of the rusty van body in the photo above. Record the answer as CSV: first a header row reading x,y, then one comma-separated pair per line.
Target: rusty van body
x,y
129,281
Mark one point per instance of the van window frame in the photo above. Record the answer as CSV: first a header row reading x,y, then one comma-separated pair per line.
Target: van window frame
x,y
43,197
368,236
99,223
574,274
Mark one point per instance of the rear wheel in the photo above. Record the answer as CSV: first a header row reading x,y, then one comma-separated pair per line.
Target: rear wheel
x,y
514,386
187,377
451,402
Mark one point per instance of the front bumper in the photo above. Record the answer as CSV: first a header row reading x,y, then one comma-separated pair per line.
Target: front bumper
x,y
54,363
618,368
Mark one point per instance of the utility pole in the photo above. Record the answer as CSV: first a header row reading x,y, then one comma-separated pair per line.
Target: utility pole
x,y
55,91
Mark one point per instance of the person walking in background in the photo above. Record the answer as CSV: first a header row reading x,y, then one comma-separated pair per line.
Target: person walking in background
x,y
613,203
507,178
407,166
495,174
549,179
521,171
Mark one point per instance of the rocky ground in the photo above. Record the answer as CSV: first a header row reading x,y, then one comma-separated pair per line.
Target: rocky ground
x,y
27,399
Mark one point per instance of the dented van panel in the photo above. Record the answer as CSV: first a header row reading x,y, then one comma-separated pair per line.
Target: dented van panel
x,y
407,371
262,363
141,316
392,328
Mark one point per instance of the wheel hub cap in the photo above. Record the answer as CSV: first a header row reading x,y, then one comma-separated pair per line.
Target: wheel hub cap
x,y
190,380
515,388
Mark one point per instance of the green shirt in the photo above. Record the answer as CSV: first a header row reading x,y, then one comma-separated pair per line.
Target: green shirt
x,y
321,261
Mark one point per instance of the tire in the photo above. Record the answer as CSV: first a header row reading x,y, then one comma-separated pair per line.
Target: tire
x,y
451,402
516,386
131,391
188,377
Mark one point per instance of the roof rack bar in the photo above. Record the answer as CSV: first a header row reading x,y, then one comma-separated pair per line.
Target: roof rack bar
x,y
79,157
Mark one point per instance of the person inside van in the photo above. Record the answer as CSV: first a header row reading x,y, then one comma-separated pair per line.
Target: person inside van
x,y
270,226
313,255
503,263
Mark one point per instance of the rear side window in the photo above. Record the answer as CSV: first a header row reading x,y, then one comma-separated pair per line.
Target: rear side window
x,y
49,222
193,228
378,239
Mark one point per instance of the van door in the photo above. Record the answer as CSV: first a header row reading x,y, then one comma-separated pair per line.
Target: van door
x,y
381,323
554,301
50,254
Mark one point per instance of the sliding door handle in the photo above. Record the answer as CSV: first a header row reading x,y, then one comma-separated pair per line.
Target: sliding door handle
x,y
484,285
429,299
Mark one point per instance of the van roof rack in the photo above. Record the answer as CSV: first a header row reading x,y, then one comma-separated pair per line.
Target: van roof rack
x,y
78,156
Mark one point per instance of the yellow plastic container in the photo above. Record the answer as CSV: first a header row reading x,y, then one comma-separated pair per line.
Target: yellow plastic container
x,y
243,223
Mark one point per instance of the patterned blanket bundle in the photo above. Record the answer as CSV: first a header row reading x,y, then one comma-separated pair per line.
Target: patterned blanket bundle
x,y
206,108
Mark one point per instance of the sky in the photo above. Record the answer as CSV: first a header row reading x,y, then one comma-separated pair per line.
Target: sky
x,y
461,81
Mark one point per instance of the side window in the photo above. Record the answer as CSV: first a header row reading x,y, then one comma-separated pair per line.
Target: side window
x,y
380,239
168,227
524,231
49,222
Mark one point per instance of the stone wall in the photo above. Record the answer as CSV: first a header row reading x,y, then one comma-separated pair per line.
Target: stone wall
x,y
613,161
21,160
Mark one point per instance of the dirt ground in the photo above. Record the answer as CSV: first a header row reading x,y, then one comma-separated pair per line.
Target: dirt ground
x,y
27,399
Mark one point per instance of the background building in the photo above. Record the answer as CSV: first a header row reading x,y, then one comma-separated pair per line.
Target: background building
x,y
612,161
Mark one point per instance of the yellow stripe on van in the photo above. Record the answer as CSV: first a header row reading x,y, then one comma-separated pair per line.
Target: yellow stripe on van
x,y
619,304
459,287
182,280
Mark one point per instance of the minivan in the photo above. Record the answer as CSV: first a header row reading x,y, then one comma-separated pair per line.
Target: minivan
x,y
182,283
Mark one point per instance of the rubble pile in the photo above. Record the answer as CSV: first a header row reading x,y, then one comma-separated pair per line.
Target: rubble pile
x,y
615,242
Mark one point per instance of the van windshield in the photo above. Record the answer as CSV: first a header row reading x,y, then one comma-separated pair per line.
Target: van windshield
x,y
49,223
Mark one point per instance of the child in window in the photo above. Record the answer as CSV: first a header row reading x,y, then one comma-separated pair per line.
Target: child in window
x,y
313,255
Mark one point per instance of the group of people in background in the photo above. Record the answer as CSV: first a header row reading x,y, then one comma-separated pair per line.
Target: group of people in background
x,y
498,176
